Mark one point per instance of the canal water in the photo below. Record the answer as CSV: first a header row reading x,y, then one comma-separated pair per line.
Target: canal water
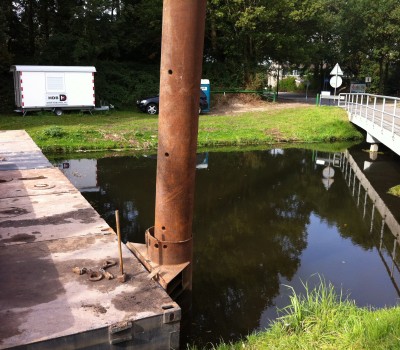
x,y
264,220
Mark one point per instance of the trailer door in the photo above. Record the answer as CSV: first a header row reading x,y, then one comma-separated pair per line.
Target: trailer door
x,y
55,90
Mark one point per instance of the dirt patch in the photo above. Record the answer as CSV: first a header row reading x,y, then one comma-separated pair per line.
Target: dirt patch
x,y
148,291
275,134
96,308
113,137
241,103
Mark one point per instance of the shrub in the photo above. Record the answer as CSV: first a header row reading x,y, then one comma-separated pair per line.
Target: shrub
x,y
54,132
288,84
121,84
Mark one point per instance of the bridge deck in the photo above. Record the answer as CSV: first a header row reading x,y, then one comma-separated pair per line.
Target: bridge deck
x,y
378,115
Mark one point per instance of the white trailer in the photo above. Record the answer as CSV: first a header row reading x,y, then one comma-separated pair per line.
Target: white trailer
x,y
54,88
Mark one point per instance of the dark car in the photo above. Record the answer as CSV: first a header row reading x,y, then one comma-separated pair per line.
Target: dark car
x,y
150,104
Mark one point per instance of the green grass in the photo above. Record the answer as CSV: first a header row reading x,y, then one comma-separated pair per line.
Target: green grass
x,y
395,191
301,124
323,319
138,131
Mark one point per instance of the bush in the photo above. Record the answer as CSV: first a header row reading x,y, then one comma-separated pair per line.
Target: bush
x,y
121,84
54,132
288,84
6,92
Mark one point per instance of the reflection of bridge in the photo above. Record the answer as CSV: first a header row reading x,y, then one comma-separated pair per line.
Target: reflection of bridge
x,y
378,115
361,190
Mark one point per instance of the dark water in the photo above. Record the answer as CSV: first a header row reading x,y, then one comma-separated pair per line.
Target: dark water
x,y
263,220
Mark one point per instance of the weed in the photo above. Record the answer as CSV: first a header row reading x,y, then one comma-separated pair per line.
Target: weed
x,y
321,318
54,132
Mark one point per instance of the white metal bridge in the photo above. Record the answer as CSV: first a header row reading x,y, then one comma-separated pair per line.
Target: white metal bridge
x,y
378,115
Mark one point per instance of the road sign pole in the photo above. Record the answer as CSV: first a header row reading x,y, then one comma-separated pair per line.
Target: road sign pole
x,y
334,94
336,80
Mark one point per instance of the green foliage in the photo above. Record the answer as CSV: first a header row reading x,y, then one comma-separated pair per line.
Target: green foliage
x,y
288,84
313,310
395,191
6,87
134,130
223,75
121,84
54,132
323,319
242,38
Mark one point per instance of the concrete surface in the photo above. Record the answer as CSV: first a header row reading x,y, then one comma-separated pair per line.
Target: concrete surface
x,y
46,229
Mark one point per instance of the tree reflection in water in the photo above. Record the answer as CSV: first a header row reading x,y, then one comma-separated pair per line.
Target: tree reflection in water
x,y
252,221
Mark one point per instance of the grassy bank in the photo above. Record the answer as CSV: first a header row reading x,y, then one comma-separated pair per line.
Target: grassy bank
x,y
323,319
138,131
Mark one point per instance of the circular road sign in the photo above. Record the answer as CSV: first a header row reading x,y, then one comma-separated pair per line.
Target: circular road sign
x,y
328,172
336,81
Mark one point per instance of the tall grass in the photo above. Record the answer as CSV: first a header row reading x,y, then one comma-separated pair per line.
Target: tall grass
x,y
316,310
322,318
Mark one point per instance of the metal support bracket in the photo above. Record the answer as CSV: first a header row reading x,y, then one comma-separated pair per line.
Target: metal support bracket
x,y
172,313
120,332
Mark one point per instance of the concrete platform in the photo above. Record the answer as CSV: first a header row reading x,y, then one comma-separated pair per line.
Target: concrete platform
x,y
46,229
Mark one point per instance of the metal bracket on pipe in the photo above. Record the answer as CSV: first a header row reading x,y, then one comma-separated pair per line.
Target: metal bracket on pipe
x,y
174,277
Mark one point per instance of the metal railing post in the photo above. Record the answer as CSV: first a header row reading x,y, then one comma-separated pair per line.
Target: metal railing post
x,y
373,112
365,203
381,238
393,257
361,105
349,183
372,217
382,112
394,117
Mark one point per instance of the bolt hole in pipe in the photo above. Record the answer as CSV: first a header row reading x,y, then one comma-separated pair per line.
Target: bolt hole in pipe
x,y
166,154
156,245
169,71
163,228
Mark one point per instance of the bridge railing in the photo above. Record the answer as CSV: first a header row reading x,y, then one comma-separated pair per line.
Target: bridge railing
x,y
376,111
363,191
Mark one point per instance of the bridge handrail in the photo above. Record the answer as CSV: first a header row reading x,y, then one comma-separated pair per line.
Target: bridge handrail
x,y
370,95
379,111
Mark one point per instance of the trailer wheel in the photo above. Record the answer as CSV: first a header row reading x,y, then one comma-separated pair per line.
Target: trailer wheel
x,y
152,108
58,112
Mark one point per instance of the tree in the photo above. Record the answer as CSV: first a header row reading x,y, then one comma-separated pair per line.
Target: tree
x,y
370,38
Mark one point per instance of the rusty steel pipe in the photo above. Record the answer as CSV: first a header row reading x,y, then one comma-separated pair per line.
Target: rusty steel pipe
x,y
167,254
180,74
